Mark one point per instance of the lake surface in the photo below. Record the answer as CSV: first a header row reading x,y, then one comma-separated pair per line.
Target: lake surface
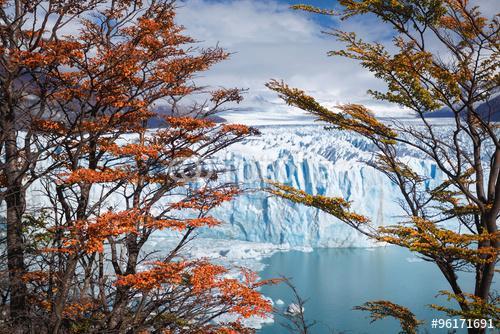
x,y
336,280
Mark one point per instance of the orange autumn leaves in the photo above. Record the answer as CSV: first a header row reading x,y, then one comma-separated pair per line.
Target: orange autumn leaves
x,y
206,280
89,236
189,123
86,175
114,181
168,147
127,122
148,63
48,54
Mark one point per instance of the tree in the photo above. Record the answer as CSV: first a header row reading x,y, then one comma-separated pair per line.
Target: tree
x,y
381,309
444,54
294,315
80,80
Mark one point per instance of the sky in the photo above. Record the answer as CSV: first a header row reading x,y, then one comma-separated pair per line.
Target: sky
x,y
268,40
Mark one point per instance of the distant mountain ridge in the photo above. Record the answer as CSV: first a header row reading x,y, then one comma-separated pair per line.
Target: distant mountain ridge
x,y
159,122
489,110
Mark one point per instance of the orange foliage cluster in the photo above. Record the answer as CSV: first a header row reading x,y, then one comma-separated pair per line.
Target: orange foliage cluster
x,y
85,175
162,273
182,224
153,33
204,279
77,310
54,53
189,123
139,151
238,129
129,121
37,276
41,301
93,234
49,126
90,235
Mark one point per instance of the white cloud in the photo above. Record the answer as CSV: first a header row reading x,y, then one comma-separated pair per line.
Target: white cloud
x,y
271,41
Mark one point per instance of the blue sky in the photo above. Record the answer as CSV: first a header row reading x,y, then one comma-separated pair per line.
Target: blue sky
x,y
321,19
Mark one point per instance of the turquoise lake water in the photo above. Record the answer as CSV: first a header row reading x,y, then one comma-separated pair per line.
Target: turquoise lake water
x,y
336,280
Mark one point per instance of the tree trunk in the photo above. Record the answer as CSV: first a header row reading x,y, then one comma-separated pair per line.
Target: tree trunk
x,y
486,272
16,206
483,286
15,253
61,297
122,292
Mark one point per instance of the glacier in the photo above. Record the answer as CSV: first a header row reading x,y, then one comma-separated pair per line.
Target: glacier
x,y
318,161
310,158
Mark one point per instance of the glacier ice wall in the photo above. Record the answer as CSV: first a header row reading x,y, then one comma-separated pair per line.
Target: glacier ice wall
x,y
308,158
318,162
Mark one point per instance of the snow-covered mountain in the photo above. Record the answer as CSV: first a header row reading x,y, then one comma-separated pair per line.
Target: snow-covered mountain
x,y
318,162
